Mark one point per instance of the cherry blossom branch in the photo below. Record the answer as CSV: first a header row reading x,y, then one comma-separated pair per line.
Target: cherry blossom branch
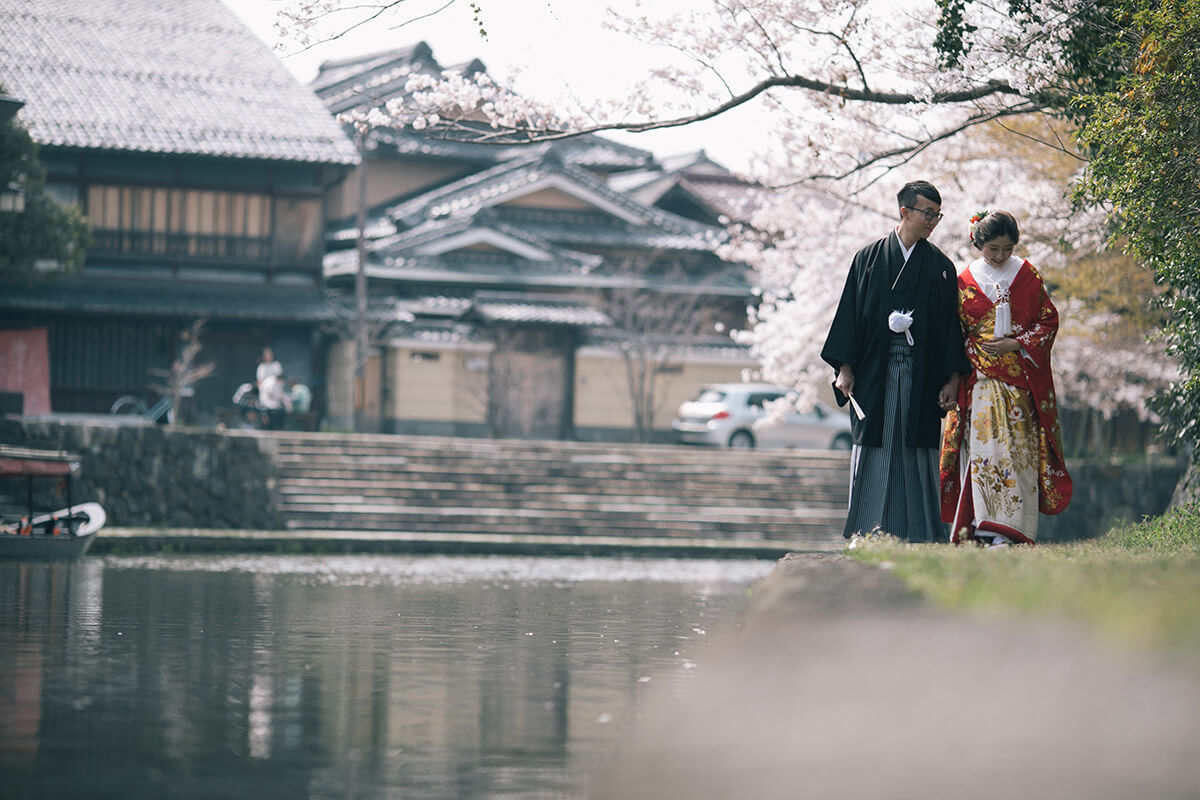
x,y
515,134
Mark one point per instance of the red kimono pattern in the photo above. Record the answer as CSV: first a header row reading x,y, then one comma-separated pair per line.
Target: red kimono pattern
x,y
1034,326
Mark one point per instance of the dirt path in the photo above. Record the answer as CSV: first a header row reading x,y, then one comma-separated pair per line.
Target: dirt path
x,y
843,684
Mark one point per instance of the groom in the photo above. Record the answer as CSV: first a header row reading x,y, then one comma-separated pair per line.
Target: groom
x,y
897,347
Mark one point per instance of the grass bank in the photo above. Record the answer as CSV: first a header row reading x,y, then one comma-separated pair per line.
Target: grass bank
x,y
1138,585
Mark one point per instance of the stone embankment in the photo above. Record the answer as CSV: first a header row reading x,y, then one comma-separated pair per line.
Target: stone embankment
x,y
346,491
149,476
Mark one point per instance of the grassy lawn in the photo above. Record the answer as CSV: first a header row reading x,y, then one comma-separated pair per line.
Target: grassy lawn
x,y
1138,585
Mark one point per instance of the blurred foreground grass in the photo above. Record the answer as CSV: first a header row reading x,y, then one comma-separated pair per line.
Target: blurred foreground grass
x,y
1138,585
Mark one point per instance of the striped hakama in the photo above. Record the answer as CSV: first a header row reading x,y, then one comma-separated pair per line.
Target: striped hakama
x,y
895,487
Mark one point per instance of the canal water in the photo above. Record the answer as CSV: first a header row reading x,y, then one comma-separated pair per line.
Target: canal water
x,y
342,677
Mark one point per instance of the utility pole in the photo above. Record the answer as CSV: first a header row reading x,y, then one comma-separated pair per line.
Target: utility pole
x,y
360,290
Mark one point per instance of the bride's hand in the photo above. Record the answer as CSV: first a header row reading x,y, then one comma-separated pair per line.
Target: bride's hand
x,y
1000,346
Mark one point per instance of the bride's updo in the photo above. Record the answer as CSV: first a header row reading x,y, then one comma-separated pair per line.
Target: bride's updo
x,y
993,225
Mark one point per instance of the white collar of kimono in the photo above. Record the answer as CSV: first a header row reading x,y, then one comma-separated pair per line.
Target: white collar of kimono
x,y
991,279
907,251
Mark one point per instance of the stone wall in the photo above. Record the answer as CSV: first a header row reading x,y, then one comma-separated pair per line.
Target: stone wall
x,y
149,476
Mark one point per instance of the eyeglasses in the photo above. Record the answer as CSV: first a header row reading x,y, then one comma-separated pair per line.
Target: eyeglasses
x,y
930,214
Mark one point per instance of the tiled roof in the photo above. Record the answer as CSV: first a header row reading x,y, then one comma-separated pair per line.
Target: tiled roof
x,y
696,162
370,80
440,332
718,348
588,234
410,241
698,177
337,72
439,306
493,270
156,77
80,295
493,186
525,308
732,198
589,151
376,228
647,185
373,79
513,272
379,309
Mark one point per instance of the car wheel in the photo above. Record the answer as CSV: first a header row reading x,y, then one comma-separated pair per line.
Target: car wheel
x,y
742,439
842,441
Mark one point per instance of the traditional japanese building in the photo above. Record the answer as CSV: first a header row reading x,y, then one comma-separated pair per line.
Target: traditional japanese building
x,y
202,166
553,288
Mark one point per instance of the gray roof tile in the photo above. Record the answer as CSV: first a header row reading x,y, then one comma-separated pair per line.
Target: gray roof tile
x,y
79,295
370,80
488,187
154,77
525,308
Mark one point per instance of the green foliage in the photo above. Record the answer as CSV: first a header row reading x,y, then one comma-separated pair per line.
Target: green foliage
x,y
44,232
1177,531
953,32
1144,141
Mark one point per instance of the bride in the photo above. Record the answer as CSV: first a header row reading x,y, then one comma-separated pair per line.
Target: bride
x,y
1002,455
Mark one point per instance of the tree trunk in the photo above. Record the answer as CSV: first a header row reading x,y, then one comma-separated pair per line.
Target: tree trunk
x,y
1187,491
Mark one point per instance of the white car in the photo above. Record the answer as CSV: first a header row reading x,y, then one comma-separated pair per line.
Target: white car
x,y
724,414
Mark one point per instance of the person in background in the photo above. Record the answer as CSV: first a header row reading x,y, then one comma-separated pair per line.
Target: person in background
x,y
274,401
246,400
267,366
1002,453
897,351
301,396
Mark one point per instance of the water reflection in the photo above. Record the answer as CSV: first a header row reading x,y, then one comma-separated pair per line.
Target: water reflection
x,y
351,677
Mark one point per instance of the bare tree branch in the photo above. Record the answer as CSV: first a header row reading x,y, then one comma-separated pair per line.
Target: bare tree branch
x,y
1057,145
909,152
177,380
650,324
379,10
840,38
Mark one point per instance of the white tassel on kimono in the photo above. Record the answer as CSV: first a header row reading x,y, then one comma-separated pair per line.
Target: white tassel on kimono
x,y
900,322
1003,312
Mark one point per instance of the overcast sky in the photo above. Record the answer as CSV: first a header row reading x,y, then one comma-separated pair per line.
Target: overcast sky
x,y
545,46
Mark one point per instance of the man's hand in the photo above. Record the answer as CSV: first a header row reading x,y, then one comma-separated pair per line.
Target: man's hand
x,y
948,396
844,382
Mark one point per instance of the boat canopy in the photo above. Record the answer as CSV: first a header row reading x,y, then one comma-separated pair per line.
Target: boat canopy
x,y
29,461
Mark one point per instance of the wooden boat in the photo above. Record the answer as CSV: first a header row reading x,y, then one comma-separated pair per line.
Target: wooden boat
x,y
62,534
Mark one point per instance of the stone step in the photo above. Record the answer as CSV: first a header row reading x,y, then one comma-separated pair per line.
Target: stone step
x,y
563,497
407,448
502,521
472,486
467,464
322,479
367,441
677,510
